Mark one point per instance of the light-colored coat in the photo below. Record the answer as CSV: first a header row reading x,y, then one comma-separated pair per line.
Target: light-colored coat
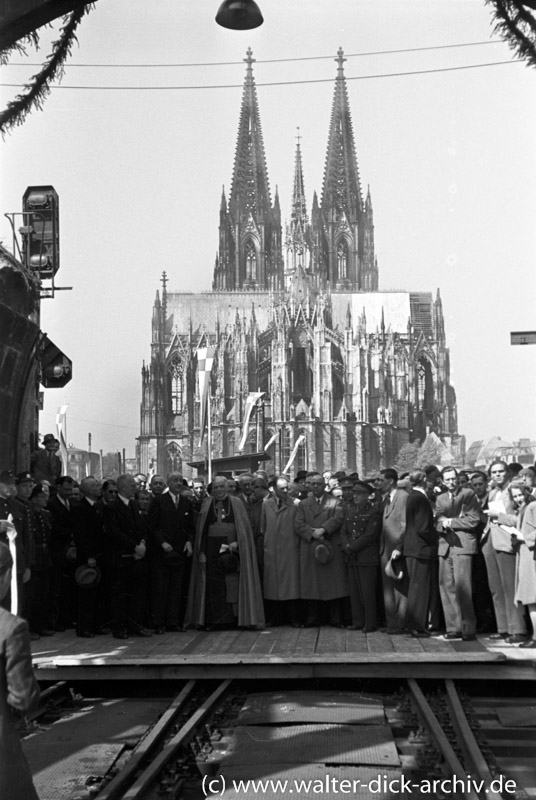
x,y
281,549
18,694
393,523
321,581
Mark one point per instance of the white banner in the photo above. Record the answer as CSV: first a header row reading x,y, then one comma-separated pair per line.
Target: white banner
x,y
61,428
250,404
270,441
205,359
299,440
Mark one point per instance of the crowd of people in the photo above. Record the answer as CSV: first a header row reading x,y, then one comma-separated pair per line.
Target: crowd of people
x,y
428,553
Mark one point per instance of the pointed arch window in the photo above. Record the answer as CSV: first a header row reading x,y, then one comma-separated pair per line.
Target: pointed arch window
x,y
176,370
251,263
342,261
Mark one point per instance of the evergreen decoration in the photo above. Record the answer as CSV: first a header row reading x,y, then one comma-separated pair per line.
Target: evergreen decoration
x,y
516,24
53,69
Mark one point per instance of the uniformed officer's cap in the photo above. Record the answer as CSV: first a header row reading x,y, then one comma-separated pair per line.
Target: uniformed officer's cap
x,y
23,477
7,476
361,486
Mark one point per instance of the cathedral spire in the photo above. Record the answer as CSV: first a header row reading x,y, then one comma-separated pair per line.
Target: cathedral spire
x,y
250,189
341,191
299,208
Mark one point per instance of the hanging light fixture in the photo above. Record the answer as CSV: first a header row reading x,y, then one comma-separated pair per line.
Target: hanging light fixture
x,y
239,15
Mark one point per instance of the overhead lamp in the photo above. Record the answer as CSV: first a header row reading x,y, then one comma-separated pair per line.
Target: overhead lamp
x,y
239,15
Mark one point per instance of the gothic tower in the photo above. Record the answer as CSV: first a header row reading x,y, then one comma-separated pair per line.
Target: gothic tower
x,y
250,252
343,227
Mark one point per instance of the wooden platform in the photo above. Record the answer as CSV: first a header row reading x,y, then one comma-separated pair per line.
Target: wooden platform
x,y
279,653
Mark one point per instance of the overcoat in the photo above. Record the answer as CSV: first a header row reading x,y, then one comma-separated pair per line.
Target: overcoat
x,y
281,549
19,693
525,564
393,523
250,604
321,581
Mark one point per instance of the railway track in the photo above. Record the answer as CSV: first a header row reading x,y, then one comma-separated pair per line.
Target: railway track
x,y
226,740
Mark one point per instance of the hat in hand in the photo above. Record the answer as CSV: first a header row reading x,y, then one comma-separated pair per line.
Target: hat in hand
x,y
87,577
323,551
393,569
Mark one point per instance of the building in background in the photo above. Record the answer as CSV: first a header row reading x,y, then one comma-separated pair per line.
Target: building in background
x,y
482,453
348,373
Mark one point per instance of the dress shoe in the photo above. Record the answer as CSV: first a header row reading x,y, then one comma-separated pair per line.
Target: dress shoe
x,y
496,636
295,625
143,632
172,628
86,634
453,635
435,631
120,635
528,643
159,629
420,634
369,630
311,624
45,632
103,631
469,637
515,638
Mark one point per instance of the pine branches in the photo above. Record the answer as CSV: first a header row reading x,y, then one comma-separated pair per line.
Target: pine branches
x,y
517,26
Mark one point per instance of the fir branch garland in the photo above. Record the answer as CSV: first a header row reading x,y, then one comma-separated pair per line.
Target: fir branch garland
x,y
53,69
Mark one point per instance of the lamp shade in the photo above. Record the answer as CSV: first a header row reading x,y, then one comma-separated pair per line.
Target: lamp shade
x,y
239,15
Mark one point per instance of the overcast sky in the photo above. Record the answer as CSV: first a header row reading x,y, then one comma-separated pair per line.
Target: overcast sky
x,y
449,155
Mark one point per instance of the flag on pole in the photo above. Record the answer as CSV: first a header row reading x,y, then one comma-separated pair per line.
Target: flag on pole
x,y
270,441
299,440
205,359
250,405
61,427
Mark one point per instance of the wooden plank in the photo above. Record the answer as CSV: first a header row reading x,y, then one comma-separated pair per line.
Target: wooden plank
x,y
306,642
356,642
286,641
330,640
379,642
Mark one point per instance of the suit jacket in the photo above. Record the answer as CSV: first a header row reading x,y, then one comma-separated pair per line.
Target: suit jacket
x,y
167,523
89,533
124,529
393,523
62,525
19,693
420,536
464,511
44,468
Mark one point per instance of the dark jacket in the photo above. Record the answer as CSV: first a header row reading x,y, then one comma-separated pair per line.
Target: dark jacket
x,y
124,530
420,537
167,523
89,533
62,525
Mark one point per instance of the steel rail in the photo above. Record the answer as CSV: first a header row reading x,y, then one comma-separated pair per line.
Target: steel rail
x,y
471,750
149,776
149,743
444,746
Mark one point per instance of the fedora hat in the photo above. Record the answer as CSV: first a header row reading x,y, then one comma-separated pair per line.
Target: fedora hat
x,y
393,569
323,551
87,577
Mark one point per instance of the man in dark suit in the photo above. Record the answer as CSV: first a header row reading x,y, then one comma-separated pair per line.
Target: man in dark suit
x,y
45,465
319,518
171,523
89,538
457,518
392,532
125,553
63,555
419,547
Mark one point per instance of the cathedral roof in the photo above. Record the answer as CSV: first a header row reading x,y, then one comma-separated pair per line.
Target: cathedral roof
x,y
342,186
250,189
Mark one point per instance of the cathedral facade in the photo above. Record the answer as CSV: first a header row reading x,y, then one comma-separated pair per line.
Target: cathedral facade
x,y
348,374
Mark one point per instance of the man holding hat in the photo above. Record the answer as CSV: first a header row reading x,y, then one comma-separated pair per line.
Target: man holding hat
x,y
360,535
45,464
89,536
323,574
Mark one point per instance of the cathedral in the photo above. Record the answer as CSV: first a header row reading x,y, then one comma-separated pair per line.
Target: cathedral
x,y
348,374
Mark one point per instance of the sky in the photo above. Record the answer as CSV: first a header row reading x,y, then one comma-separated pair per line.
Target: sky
x,y
449,156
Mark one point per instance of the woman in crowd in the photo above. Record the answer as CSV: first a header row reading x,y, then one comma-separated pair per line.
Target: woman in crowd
x,y
525,589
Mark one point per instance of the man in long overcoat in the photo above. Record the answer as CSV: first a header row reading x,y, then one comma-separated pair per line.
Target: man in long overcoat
x,y
318,519
392,533
281,555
